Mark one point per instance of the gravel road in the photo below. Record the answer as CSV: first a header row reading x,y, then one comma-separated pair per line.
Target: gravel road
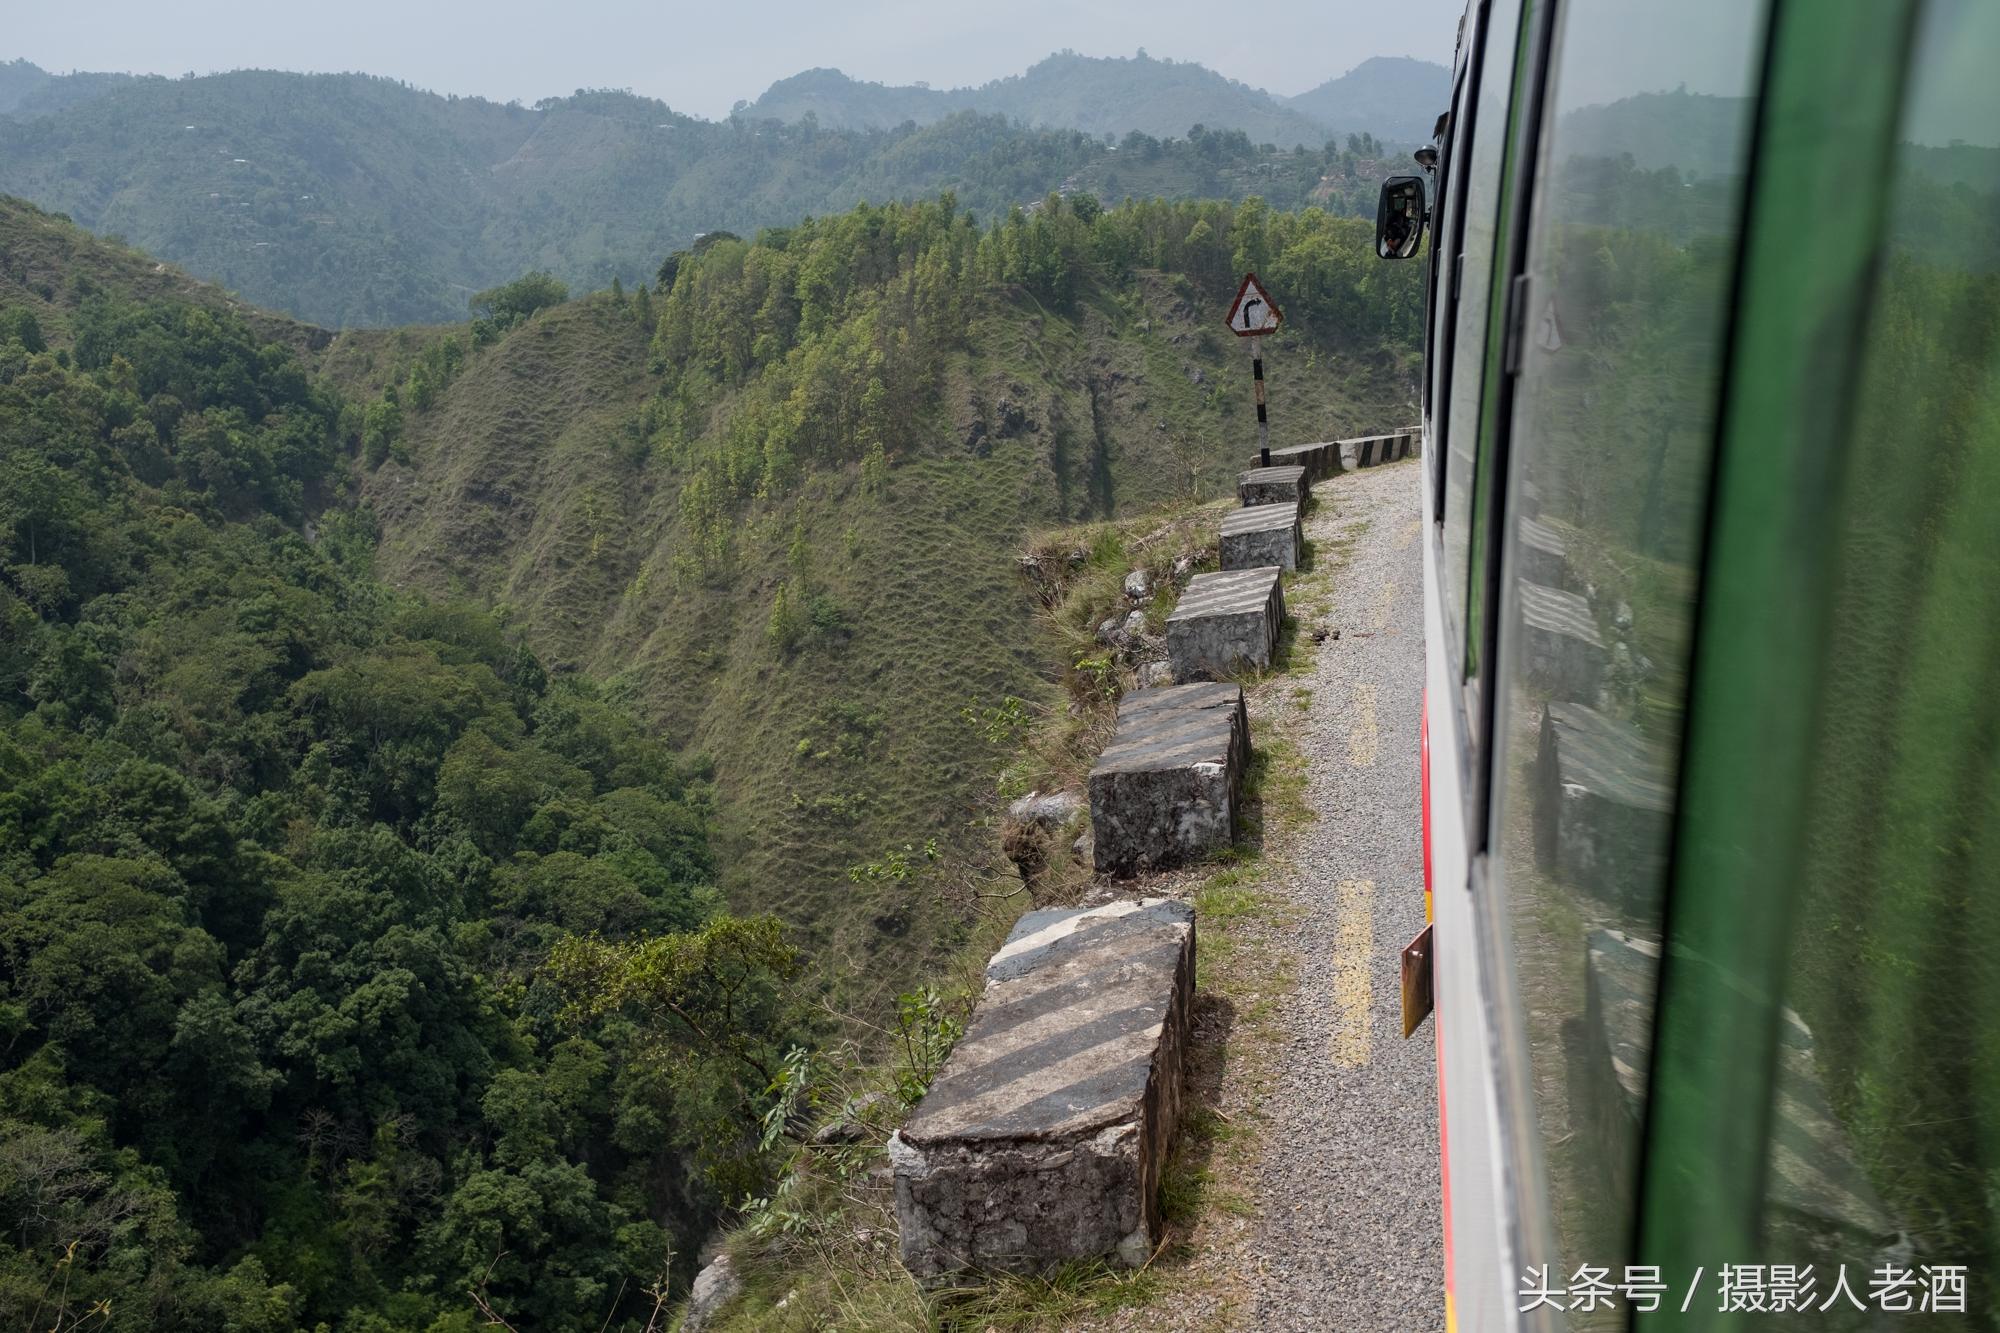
x,y
1349,1234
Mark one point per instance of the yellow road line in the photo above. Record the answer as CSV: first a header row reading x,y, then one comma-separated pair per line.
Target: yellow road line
x,y
1353,947
1378,615
1363,741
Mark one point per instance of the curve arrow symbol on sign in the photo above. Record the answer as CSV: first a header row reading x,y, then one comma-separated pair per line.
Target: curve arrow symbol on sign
x,y
1253,313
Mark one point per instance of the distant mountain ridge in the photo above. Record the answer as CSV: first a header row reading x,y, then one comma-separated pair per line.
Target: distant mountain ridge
x,y
28,90
1391,97
1388,97
352,200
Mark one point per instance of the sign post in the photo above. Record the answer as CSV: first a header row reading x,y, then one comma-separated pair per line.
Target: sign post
x,y
1252,315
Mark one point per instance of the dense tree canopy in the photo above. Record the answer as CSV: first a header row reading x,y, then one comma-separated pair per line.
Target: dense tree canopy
x,y
827,337
281,855
354,970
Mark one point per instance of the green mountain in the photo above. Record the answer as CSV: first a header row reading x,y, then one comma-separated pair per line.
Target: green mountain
x,y
27,89
777,504
1694,133
283,852
349,200
1392,97
390,720
1099,95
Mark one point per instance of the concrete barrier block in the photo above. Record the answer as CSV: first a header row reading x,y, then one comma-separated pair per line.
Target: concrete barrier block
x,y
1608,1080
1817,1188
1321,460
1541,555
1359,452
1273,485
1043,1138
1603,804
1261,536
1564,654
1374,450
1168,788
1226,622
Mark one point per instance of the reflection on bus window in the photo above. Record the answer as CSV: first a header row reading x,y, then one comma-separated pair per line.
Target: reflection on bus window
x,y
1481,195
1630,265
1884,1140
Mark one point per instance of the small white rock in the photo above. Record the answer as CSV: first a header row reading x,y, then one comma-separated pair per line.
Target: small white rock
x,y
716,1286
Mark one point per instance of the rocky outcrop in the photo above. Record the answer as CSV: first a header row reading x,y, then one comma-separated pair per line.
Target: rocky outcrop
x,y
1047,809
714,1288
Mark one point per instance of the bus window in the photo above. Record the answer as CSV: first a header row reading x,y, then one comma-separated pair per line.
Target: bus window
x,y
1883,1140
1479,220
1445,238
1647,125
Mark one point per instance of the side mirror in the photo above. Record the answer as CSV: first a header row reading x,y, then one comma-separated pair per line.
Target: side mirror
x,y
1399,218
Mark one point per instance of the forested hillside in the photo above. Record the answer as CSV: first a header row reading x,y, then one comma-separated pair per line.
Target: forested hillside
x,y
1397,99
390,722
348,200
777,502
26,88
1098,95
281,850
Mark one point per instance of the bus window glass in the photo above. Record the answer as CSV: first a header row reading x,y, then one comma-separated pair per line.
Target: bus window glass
x,y
1646,139
1439,324
1481,205
1883,1142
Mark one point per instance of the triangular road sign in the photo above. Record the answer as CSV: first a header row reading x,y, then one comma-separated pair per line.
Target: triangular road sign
x,y
1252,312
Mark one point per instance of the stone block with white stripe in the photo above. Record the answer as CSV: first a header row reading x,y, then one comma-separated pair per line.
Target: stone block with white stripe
x,y
1541,555
1321,460
1564,654
1261,536
1373,450
1274,485
1603,804
1226,622
1168,789
1043,1138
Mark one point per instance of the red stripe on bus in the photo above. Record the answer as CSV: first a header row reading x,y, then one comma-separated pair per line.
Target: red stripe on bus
x,y
1424,763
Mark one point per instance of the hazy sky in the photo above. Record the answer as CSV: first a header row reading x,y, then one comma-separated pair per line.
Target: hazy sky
x,y
701,58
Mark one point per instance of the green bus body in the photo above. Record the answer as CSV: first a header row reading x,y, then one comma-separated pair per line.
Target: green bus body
x,y
1712,416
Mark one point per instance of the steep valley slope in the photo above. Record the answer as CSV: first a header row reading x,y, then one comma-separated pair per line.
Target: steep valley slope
x,y
542,481
854,602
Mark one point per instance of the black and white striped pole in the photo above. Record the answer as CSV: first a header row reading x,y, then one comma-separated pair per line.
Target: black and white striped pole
x,y
1263,420
1252,315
